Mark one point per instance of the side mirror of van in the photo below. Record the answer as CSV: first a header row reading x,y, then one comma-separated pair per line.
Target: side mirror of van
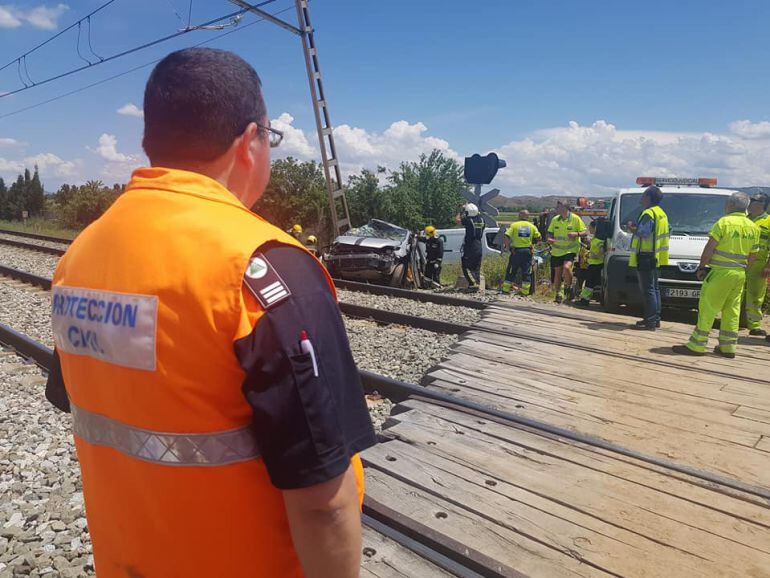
x,y
603,229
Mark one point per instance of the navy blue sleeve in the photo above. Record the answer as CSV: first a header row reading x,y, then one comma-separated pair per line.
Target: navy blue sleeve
x,y
645,227
309,419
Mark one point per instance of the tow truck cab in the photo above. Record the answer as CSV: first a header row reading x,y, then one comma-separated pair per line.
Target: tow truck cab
x,y
692,206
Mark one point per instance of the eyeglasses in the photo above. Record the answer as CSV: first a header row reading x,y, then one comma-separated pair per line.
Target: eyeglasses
x,y
274,135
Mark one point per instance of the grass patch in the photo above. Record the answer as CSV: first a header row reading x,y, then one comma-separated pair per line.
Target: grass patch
x,y
39,227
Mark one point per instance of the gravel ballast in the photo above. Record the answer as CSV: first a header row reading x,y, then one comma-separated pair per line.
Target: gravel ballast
x,y
449,313
31,241
28,261
43,529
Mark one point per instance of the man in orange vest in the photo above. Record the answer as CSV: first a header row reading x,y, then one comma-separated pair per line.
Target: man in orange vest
x,y
216,407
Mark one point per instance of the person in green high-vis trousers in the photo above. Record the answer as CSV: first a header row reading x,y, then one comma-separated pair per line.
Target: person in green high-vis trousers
x,y
729,252
756,282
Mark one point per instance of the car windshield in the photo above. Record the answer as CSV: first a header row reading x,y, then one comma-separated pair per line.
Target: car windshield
x,y
688,213
378,230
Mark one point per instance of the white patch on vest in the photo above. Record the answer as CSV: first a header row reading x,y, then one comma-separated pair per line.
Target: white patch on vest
x,y
257,268
119,328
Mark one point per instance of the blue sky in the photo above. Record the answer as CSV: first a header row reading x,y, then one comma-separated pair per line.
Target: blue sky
x,y
579,97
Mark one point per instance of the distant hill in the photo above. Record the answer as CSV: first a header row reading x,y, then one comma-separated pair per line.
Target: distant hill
x,y
533,203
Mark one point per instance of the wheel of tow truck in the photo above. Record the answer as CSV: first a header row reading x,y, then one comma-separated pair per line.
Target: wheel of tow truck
x,y
398,275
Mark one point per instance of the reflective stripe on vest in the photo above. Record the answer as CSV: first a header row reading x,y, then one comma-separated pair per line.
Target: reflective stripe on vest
x,y
656,243
174,449
738,238
563,245
596,253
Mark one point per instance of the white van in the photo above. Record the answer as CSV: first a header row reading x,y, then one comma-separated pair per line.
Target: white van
x,y
453,241
692,206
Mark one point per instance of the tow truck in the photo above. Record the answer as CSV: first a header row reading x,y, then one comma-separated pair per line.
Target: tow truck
x,y
693,205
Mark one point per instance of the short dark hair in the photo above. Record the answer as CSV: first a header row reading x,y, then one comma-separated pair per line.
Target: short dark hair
x,y
655,194
761,198
196,102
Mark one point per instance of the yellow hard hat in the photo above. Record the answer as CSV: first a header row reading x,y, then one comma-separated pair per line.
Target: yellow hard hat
x,y
311,240
297,229
430,230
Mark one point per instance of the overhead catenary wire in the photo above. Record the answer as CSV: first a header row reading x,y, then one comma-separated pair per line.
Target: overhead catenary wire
x,y
230,16
133,69
55,36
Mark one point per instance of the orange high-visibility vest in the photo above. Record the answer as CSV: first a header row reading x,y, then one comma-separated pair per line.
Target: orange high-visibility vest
x,y
147,303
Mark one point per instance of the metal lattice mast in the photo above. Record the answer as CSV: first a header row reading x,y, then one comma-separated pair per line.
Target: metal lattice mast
x,y
338,204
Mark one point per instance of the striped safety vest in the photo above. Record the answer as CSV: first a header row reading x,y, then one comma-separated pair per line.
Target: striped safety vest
x,y
596,252
737,237
656,243
147,303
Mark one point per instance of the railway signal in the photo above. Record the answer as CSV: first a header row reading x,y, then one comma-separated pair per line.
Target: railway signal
x,y
480,170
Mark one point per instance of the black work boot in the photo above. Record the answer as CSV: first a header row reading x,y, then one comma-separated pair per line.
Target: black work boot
x,y
684,350
718,351
758,333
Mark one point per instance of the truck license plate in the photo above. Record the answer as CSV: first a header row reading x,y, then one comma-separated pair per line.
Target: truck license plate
x,y
686,293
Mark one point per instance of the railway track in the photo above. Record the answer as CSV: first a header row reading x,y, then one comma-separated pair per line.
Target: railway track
x,y
420,296
375,515
398,391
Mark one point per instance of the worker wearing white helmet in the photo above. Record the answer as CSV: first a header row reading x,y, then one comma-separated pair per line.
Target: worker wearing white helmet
x,y
471,249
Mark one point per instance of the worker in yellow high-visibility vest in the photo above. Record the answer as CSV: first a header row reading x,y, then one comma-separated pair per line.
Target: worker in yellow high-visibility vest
x,y
756,282
593,277
520,237
564,235
649,252
730,251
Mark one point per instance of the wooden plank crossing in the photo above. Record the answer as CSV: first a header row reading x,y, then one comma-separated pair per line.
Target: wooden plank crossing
x,y
520,501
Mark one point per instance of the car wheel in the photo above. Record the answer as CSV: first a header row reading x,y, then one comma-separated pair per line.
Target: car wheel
x,y
397,278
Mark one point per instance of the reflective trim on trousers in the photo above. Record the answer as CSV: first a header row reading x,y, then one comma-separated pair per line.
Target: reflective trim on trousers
x,y
701,332
697,344
736,256
173,449
664,236
731,264
728,334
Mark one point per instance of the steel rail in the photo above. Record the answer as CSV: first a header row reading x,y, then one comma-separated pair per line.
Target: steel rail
x,y
36,236
32,247
391,317
423,296
452,562
349,309
25,277
398,391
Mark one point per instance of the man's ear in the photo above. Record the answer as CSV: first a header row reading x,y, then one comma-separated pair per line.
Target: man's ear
x,y
247,144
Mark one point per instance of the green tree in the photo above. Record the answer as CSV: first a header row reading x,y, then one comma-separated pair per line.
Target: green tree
x,y
4,214
65,194
296,194
426,192
35,195
86,204
366,199
16,199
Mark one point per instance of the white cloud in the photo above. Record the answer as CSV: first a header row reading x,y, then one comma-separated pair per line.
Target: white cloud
x,y
8,17
750,130
49,164
600,158
108,149
10,142
295,143
359,149
130,109
41,16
